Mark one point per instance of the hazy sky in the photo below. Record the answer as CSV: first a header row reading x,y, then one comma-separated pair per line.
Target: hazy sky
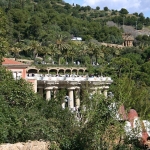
x,y
131,5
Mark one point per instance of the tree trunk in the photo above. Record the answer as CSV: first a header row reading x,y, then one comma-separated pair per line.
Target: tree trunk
x,y
58,60
72,59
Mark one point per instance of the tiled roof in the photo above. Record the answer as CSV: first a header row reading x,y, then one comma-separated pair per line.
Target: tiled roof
x,y
8,61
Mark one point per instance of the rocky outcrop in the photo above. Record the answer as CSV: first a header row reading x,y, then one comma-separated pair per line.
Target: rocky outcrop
x,y
30,145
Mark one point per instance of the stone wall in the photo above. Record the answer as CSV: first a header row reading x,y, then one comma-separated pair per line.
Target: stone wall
x,y
30,145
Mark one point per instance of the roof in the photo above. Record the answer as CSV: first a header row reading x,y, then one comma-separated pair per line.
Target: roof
x,y
10,62
128,37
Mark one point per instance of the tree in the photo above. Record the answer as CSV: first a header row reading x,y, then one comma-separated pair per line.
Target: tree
x,y
36,48
146,54
16,49
141,14
3,41
145,72
126,91
35,27
136,14
67,6
97,8
121,66
106,9
16,105
73,51
123,11
19,92
91,49
95,117
61,46
48,51
83,50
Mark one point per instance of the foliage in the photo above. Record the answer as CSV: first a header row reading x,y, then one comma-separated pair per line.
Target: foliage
x,y
45,29
3,41
133,95
16,92
106,9
123,11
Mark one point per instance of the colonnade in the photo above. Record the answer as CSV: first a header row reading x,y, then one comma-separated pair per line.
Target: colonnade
x,y
128,43
73,94
57,70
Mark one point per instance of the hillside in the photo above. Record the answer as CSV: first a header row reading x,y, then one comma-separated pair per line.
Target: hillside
x,y
130,29
42,20
42,31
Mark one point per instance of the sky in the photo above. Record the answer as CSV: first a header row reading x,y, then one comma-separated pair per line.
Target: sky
x,y
131,5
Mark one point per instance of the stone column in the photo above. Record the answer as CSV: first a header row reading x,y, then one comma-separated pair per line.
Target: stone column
x,y
77,72
71,98
48,94
99,90
105,93
77,97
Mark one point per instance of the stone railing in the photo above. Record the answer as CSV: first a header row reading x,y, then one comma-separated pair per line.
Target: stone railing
x,y
30,145
69,78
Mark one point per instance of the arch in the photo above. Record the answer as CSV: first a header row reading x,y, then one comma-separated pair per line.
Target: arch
x,y
86,71
68,71
53,71
61,71
43,71
32,71
74,71
80,72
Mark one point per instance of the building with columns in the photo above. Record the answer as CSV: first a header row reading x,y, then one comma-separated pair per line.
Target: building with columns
x,y
52,80
128,40
48,86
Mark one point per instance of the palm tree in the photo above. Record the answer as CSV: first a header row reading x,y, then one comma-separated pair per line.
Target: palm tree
x,y
98,53
35,47
91,49
16,49
73,51
82,51
46,51
61,47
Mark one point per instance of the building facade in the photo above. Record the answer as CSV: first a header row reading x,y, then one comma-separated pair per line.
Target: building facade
x,y
68,79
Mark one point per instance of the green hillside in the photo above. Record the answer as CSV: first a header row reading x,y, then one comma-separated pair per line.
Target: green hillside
x,y
43,20
41,30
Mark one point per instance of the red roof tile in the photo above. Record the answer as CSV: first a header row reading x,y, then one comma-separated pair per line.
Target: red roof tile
x,y
8,61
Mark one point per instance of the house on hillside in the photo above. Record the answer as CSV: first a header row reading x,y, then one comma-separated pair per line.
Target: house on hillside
x,y
128,40
18,70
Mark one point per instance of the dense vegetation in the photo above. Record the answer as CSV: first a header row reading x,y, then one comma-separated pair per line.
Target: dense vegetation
x,y
44,28
26,116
